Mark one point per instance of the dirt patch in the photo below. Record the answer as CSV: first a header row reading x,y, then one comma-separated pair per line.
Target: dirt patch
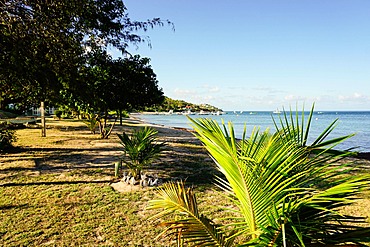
x,y
126,188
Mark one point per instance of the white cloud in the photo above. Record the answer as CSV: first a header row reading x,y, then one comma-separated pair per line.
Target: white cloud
x,y
183,92
214,89
354,97
194,96
252,99
292,97
211,89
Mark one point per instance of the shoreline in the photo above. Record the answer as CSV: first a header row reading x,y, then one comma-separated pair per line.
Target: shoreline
x,y
159,125
136,116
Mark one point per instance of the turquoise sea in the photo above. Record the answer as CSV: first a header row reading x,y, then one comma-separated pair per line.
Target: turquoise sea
x,y
349,122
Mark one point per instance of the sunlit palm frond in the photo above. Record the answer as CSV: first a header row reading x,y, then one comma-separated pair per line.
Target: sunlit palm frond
x,y
192,226
287,192
265,170
257,169
289,128
141,148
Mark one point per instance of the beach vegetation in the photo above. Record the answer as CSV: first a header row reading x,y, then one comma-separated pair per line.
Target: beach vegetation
x,y
42,61
7,136
56,191
58,113
91,123
135,85
175,105
284,191
116,84
141,148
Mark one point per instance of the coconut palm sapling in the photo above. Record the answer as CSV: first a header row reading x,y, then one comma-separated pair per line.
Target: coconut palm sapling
x,y
141,148
287,193
91,123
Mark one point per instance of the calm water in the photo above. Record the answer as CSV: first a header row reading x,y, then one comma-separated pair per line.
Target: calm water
x,y
349,122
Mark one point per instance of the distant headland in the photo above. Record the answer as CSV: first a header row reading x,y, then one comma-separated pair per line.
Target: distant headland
x,y
173,106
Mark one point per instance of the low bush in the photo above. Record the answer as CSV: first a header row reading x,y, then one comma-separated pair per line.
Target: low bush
x,y
58,114
91,123
141,148
7,136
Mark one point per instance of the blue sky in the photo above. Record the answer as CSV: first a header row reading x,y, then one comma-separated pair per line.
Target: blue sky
x,y
261,55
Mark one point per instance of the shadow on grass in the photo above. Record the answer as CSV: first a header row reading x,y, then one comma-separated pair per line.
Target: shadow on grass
x,y
183,159
65,158
13,206
364,155
55,183
61,168
16,150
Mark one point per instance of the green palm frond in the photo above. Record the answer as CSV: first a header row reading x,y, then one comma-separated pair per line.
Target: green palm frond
x,y
266,170
196,228
257,170
289,128
141,148
287,192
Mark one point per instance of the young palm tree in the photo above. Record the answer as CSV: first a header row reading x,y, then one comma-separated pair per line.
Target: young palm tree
x,y
141,148
287,193
91,123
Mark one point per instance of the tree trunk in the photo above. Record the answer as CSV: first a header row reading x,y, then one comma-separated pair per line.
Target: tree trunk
x,y
43,125
120,117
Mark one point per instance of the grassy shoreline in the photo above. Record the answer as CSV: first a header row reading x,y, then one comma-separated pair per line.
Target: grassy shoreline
x,y
55,191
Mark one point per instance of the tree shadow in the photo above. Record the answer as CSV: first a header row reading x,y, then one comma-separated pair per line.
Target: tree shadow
x,y
56,183
183,159
14,206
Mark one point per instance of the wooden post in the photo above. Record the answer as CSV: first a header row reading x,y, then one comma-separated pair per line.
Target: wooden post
x,y
43,125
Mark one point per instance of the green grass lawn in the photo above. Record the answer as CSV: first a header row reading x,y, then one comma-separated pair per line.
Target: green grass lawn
x,y
57,204
75,214
44,205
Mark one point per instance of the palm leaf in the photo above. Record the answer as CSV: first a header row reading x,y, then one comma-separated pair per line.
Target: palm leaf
x,y
196,228
257,174
140,148
286,192
266,170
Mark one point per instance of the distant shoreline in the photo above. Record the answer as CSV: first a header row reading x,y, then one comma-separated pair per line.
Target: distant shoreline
x,y
136,116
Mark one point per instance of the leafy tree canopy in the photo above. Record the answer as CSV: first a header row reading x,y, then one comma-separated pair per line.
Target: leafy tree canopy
x,y
115,84
44,43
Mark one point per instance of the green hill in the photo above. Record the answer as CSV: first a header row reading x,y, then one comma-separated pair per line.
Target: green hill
x,y
181,105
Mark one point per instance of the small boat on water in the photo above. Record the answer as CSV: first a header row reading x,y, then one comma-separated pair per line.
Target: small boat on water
x,y
189,112
204,112
276,111
217,113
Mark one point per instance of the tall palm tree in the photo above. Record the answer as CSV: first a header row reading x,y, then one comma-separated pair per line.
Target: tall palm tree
x,y
287,193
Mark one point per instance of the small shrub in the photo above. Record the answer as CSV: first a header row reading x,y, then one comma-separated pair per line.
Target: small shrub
x,y
91,123
7,136
58,113
125,114
141,148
